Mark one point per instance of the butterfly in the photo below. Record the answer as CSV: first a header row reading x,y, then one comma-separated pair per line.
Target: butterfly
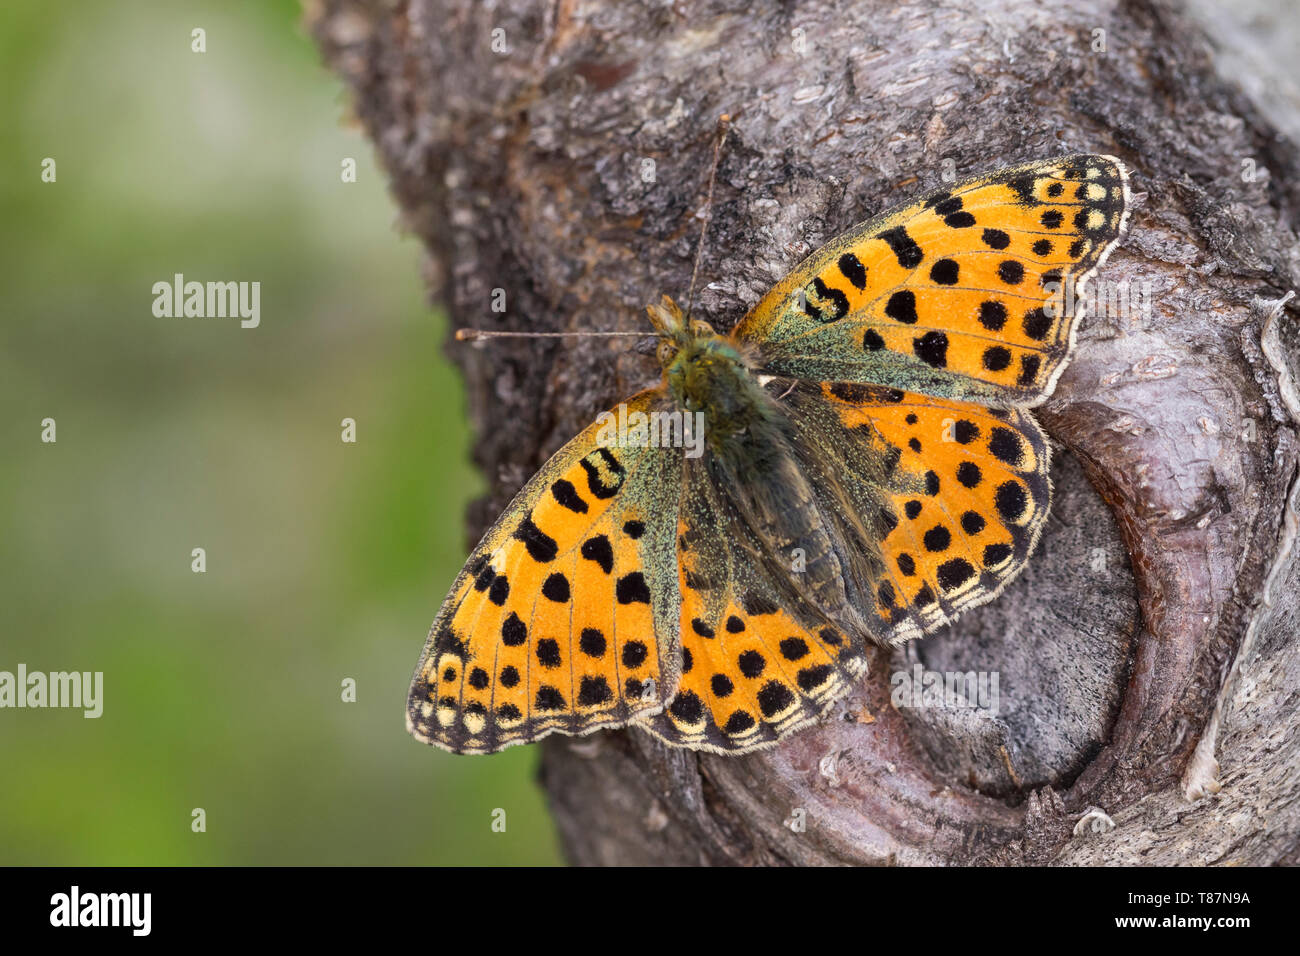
x,y
854,464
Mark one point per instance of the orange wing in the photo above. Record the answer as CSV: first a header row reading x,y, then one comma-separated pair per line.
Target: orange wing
x,y
565,616
971,293
948,497
757,662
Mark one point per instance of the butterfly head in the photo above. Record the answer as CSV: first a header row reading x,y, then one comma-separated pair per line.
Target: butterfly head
x,y
674,328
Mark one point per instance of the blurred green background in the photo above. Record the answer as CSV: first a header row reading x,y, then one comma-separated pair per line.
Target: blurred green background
x,y
325,560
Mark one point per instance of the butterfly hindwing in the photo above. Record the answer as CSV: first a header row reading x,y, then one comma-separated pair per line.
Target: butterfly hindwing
x,y
972,292
565,616
962,499
757,662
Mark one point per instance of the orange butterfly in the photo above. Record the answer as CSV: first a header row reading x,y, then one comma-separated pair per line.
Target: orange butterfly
x,y
854,462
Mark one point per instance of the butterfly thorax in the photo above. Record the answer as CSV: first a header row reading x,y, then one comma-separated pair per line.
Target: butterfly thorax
x,y
710,375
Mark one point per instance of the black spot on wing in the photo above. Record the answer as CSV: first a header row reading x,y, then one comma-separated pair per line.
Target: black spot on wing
x,y
599,550
996,239
592,642
1005,445
1028,369
556,588
855,394
751,664
837,300
1023,187
605,473
687,707
904,247
945,272
954,573
937,539
541,547
548,652
993,315
632,589
996,358
794,648
1011,272
810,678
513,631
853,270
1011,500
593,691
1037,323
634,654
508,712
773,698
995,554
738,723
932,349
447,642
549,698
567,495
901,307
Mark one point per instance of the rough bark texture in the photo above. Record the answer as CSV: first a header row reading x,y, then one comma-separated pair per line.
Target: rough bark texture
x,y
1155,631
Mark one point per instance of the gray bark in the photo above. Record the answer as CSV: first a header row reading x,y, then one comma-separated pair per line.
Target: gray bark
x,y
1148,663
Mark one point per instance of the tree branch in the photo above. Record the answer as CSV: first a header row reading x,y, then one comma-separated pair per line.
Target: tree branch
x,y
569,171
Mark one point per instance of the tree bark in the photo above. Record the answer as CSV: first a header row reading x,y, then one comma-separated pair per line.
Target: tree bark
x,y
1147,661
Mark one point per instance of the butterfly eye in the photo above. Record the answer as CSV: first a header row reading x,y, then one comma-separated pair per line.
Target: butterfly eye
x,y
699,327
667,350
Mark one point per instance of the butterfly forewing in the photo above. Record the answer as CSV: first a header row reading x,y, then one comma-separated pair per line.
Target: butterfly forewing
x,y
565,616
972,292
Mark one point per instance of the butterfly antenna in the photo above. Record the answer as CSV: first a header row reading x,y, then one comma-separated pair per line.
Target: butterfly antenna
x,y
724,125
475,335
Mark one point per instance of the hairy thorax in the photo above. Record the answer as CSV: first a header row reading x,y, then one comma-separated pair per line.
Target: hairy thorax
x,y
710,375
